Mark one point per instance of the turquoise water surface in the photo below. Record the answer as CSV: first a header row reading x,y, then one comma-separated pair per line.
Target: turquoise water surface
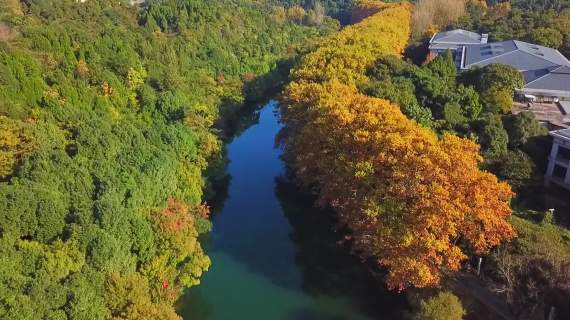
x,y
273,255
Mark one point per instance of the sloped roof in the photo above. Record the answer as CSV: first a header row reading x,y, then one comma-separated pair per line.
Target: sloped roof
x,y
457,36
562,134
557,78
521,55
444,46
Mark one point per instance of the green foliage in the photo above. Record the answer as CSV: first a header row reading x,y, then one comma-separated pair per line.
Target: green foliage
x,y
547,37
493,137
452,115
544,238
544,23
498,100
516,167
107,114
522,127
444,306
496,84
499,76
444,67
533,270
427,93
401,91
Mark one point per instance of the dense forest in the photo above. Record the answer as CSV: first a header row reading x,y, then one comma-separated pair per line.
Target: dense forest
x,y
109,116
113,119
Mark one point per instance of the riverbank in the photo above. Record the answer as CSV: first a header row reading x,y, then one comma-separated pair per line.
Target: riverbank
x,y
274,256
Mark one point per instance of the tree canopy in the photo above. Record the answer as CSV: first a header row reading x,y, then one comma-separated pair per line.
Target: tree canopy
x,y
109,116
406,195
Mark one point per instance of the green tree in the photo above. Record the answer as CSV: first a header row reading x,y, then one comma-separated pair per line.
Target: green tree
x,y
453,115
522,127
516,167
498,100
499,76
547,37
493,137
444,67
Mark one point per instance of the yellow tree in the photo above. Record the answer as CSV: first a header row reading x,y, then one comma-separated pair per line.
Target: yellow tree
x,y
406,195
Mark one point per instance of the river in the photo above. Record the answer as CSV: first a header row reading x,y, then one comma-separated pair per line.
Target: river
x,y
273,255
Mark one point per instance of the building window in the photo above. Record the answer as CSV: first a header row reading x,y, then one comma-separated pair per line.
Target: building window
x,y
559,172
563,153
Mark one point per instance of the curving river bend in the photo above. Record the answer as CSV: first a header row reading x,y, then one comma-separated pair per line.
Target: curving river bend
x,y
273,255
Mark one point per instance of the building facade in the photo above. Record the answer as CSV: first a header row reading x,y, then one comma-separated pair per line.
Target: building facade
x,y
558,170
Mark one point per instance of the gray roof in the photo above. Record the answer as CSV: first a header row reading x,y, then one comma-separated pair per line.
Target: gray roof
x,y
521,55
444,46
563,134
458,36
555,78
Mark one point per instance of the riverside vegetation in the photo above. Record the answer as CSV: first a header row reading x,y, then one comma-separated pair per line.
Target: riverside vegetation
x,y
112,119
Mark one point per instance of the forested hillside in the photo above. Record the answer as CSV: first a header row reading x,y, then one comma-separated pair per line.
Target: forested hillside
x,y
107,117
412,201
339,9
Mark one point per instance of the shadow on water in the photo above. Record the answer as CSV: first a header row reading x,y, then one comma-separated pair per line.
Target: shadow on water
x,y
217,178
327,267
274,256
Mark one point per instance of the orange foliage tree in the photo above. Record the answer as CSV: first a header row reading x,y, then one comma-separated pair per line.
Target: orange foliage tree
x,y
181,260
406,195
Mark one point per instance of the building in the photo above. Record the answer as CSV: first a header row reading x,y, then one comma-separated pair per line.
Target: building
x,y
548,85
545,70
558,170
454,40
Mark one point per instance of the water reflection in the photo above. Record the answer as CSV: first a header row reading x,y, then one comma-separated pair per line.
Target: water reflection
x,y
273,255
327,267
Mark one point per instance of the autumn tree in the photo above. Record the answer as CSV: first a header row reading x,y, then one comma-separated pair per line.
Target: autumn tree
x,y
181,260
15,143
408,197
435,13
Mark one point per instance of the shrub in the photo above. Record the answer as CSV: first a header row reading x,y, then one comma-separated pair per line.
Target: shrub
x,y
522,127
517,168
492,135
547,37
498,100
444,306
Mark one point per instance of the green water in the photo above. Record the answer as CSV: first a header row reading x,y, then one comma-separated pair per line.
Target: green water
x,y
273,255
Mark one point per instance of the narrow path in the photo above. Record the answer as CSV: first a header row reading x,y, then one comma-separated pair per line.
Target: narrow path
x,y
471,290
